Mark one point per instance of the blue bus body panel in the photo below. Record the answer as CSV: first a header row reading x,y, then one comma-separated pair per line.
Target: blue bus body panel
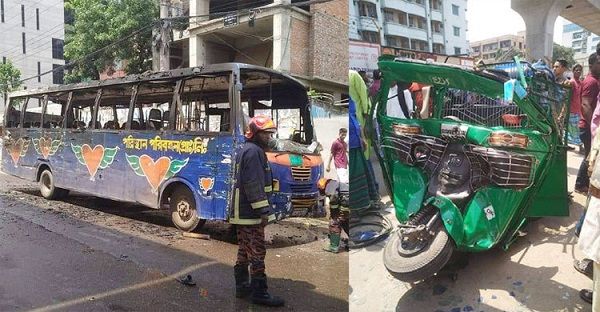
x,y
137,166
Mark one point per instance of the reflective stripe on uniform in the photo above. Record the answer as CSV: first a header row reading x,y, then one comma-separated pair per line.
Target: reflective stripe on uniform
x,y
236,213
260,204
268,188
236,204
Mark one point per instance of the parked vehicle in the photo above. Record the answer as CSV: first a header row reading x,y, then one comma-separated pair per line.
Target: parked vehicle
x,y
165,140
478,153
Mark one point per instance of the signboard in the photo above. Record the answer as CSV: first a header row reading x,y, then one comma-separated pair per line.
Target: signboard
x,y
230,20
363,55
421,55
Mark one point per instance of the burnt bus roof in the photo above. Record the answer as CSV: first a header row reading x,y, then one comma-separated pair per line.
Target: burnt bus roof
x,y
153,76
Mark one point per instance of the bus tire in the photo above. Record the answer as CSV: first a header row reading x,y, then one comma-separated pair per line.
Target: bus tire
x,y
47,187
183,210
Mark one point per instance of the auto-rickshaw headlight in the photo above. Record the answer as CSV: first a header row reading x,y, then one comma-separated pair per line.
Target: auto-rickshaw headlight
x,y
508,139
406,129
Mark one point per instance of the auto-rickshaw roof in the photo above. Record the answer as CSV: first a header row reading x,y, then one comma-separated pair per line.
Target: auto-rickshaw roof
x,y
442,75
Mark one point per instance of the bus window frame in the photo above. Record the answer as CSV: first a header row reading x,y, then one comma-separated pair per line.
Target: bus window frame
x,y
178,103
143,121
68,110
98,100
94,107
24,112
43,111
21,115
99,93
132,100
64,109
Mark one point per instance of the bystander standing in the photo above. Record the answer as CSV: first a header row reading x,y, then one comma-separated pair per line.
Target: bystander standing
x,y
339,155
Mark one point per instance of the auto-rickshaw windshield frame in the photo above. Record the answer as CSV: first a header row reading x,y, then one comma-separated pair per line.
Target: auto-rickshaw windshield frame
x,y
482,82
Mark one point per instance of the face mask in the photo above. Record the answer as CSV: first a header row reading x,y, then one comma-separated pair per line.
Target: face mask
x,y
272,144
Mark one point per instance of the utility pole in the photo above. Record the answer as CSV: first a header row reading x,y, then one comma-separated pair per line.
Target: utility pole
x,y
161,53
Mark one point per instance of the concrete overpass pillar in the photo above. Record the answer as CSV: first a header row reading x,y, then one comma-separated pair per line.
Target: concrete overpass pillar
x,y
197,46
539,16
281,38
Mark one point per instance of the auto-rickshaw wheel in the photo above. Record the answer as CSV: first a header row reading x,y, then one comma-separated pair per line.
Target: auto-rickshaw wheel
x,y
424,262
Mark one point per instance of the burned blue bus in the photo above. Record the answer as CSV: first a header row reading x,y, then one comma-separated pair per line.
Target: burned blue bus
x,y
165,140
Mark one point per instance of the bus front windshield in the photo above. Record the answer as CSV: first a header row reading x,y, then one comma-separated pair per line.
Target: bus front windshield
x,y
286,102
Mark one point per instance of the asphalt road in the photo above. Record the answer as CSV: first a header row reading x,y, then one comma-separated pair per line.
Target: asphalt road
x,y
90,254
535,274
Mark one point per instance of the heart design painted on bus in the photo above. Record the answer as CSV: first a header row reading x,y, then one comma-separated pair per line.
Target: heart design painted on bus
x,y
206,184
46,146
93,159
17,149
155,171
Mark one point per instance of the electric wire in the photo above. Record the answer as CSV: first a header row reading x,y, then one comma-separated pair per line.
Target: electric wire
x,y
18,15
140,30
153,23
17,56
17,47
360,239
234,48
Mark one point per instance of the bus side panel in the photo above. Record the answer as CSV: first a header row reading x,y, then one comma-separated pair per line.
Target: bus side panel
x,y
208,169
14,150
29,161
225,147
50,149
58,161
139,168
82,156
116,177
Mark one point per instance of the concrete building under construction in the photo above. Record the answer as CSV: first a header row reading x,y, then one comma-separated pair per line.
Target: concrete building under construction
x,y
306,39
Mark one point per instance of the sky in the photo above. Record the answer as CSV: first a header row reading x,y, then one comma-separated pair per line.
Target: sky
x,y
487,19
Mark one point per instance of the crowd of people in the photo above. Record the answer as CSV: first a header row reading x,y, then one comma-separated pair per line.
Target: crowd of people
x,y
585,114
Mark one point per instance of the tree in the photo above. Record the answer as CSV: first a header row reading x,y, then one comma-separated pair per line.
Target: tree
x,y
100,23
10,79
562,52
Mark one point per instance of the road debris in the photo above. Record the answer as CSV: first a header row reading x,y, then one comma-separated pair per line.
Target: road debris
x,y
187,281
196,235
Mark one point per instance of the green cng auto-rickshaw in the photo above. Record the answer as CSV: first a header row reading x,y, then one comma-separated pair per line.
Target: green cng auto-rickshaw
x,y
468,156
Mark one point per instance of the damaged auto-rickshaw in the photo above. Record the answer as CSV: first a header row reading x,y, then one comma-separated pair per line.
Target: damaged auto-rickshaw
x,y
469,159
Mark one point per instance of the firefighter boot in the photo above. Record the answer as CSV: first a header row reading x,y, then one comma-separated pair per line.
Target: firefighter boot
x,y
242,281
260,294
334,243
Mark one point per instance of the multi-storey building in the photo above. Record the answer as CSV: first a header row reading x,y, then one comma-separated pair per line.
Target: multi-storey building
x,y
582,41
437,26
494,49
308,41
32,38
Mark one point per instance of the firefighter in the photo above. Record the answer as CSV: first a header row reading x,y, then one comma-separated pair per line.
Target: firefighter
x,y
339,212
251,212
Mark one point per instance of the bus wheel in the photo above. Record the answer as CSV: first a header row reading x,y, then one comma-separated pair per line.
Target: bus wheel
x,y
47,187
183,210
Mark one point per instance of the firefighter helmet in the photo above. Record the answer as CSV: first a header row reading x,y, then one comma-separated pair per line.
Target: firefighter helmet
x,y
260,123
